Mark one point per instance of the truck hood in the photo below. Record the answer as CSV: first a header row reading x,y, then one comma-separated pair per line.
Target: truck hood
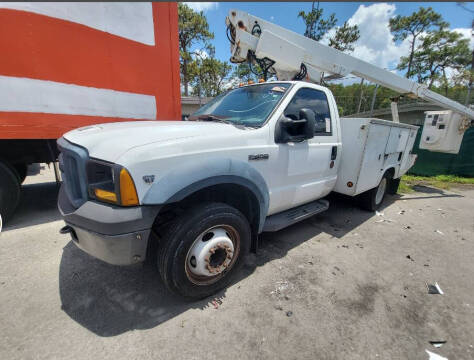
x,y
111,140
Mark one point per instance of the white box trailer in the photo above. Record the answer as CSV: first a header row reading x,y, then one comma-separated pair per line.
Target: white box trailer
x,y
370,148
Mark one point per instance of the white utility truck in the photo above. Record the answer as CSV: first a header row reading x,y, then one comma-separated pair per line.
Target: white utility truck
x,y
256,158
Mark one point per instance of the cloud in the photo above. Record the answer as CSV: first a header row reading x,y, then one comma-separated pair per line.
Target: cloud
x,y
272,18
376,44
468,34
328,35
231,83
202,6
203,54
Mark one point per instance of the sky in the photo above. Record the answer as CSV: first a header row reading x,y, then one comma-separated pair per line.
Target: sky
x,y
375,44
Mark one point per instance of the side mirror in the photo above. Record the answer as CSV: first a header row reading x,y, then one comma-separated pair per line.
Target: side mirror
x,y
289,130
310,125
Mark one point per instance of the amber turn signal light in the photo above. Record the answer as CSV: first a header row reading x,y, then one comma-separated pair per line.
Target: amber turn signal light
x,y
128,193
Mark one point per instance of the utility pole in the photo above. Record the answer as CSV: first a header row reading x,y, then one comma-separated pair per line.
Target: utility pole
x,y
361,93
471,74
468,96
374,95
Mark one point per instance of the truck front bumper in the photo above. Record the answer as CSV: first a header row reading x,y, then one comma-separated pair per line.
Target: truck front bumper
x,y
116,235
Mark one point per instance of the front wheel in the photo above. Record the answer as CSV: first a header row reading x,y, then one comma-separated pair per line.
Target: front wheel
x,y
373,198
201,251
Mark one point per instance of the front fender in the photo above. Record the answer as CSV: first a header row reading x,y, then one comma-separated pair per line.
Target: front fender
x,y
186,179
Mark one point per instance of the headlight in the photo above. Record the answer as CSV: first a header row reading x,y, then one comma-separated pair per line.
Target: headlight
x,y
111,183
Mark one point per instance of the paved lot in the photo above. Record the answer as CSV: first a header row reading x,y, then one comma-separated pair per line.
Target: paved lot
x,y
343,276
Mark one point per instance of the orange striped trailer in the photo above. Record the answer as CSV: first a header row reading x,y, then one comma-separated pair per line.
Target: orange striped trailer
x,y
67,65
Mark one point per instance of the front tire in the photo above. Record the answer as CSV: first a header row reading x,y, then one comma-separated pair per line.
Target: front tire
x,y
372,199
201,251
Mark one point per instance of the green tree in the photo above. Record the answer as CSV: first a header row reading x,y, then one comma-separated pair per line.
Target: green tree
x,y
243,73
192,29
439,51
347,97
209,76
317,27
412,27
345,37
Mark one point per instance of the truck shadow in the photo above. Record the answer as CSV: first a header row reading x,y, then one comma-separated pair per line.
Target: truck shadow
x,y
110,300
431,192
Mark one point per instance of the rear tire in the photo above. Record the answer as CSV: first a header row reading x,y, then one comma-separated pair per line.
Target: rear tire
x,y
9,191
373,198
21,170
393,186
186,235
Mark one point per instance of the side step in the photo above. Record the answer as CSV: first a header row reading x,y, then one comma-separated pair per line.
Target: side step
x,y
286,218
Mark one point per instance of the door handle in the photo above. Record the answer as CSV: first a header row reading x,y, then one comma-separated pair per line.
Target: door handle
x,y
334,153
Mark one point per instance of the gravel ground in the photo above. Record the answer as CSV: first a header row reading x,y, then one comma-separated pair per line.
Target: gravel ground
x,y
345,284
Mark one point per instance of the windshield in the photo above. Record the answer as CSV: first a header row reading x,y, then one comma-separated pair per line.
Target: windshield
x,y
248,106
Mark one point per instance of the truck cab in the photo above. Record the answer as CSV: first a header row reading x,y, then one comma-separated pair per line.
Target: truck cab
x,y
297,125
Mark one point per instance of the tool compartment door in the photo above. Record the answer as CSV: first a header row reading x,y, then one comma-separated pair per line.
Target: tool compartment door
x,y
373,157
408,158
396,145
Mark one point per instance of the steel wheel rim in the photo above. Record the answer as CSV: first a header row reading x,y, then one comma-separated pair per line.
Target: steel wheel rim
x,y
381,191
199,279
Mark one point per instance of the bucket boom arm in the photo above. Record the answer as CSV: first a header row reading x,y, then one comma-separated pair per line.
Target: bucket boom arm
x,y
295,57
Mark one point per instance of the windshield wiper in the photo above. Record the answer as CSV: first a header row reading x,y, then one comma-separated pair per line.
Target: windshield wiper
x,y
210,117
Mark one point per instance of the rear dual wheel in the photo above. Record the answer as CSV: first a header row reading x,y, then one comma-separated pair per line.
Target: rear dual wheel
x,y
21,171
393,186
201,251
9,191
372,199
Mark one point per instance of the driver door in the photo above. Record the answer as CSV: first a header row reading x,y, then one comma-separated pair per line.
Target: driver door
x,y
307,170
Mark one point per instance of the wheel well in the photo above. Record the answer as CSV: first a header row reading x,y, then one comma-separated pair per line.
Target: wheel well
x,y
28,151
237,196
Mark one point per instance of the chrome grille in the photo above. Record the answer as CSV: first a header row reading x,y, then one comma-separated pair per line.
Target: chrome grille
x,y
72,164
